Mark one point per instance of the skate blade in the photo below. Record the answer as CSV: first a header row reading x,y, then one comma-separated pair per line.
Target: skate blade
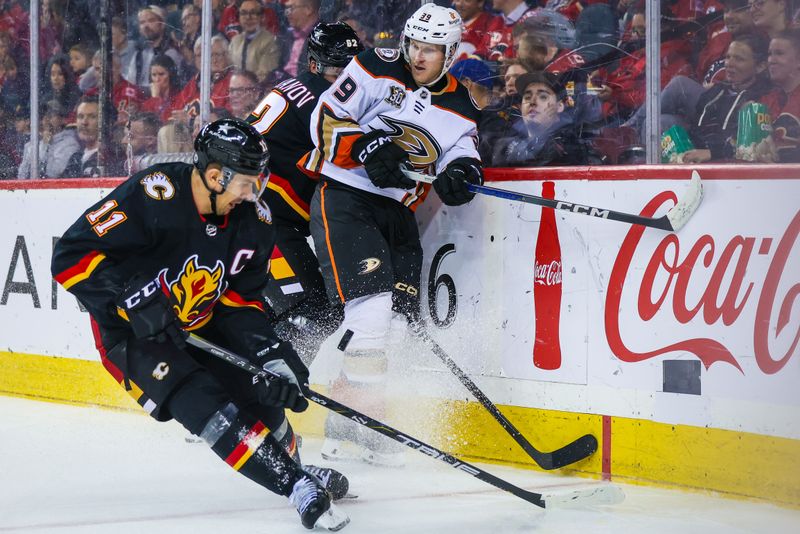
x,y
333,519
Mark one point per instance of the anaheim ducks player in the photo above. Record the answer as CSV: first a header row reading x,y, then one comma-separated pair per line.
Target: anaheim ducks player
x,y
296,293
388,109
182,247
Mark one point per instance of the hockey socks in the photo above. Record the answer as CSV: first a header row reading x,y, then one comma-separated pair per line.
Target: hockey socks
x,y
245,444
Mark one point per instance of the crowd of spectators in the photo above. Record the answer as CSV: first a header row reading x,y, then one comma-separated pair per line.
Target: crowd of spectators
x,y
559,82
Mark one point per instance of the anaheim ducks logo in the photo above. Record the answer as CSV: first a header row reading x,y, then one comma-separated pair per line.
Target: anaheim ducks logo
x,y
422,148
368,265
194,291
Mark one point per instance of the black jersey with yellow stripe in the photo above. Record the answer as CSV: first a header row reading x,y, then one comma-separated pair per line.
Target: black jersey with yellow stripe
x,y
150,227
376,91
282,117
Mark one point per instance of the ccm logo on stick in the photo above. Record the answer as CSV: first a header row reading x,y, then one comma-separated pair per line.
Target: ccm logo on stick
x,y
577,208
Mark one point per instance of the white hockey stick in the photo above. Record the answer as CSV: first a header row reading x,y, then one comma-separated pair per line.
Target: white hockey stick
x,y
673,221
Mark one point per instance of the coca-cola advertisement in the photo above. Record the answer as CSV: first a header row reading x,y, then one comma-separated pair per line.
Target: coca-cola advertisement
x,y
723,291
547,285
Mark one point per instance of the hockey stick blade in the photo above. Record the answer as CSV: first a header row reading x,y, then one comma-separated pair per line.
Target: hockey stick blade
x,y
575,498
674,220
570,453
682,211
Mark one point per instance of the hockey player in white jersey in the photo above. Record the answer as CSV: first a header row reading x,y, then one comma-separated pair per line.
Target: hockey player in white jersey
x,y
389,109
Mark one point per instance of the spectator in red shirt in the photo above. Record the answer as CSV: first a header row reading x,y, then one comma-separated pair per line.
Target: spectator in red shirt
x,y
125,97
623,84
164,87
187,103
478,27
783,64
711,59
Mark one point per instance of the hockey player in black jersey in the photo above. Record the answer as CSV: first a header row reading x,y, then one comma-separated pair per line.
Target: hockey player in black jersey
x,y
301,310
185,248
388,109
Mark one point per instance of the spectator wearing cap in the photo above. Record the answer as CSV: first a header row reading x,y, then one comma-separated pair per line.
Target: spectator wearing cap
x,y
56,144
254,49
477,77
155,41
546,134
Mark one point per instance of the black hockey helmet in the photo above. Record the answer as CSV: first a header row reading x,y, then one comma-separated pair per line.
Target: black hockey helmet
x,y
232,143
333,44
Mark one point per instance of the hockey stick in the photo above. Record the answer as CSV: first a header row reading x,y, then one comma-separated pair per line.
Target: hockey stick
x,y
570,453
605,494
673,221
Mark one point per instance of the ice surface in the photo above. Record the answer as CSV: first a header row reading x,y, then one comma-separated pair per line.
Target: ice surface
x,y
73,470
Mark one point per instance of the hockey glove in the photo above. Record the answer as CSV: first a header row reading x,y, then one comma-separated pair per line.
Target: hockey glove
x,y
284,378
150,313
451,185
382,160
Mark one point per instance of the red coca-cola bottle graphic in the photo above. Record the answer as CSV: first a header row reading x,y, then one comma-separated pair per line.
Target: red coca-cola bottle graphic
x,y
547,288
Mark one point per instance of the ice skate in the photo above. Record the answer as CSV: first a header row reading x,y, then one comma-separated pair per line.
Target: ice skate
x,y
336,450
335,482
313,503
383,459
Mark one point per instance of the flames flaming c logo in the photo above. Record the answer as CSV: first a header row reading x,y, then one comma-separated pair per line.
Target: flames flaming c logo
x,y
194,291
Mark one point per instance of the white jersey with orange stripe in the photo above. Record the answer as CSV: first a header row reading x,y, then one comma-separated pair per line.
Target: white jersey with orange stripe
x,y
377,91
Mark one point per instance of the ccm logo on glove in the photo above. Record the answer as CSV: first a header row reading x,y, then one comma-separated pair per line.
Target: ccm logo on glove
x,y
143,294
372,146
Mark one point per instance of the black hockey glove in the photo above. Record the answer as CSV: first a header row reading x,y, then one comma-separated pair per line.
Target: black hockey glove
x,y
149,312
284,378
382,160
451,185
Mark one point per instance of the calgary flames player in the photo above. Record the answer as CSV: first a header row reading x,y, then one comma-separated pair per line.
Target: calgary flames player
x,y
181,247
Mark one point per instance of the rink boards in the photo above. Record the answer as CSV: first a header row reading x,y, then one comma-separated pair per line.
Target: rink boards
x,y
678,351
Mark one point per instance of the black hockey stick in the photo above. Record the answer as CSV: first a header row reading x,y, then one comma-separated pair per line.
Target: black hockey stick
x,y
604,494
673,221
570,453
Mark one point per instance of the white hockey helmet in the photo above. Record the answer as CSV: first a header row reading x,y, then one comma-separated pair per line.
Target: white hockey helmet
x,y
436,25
